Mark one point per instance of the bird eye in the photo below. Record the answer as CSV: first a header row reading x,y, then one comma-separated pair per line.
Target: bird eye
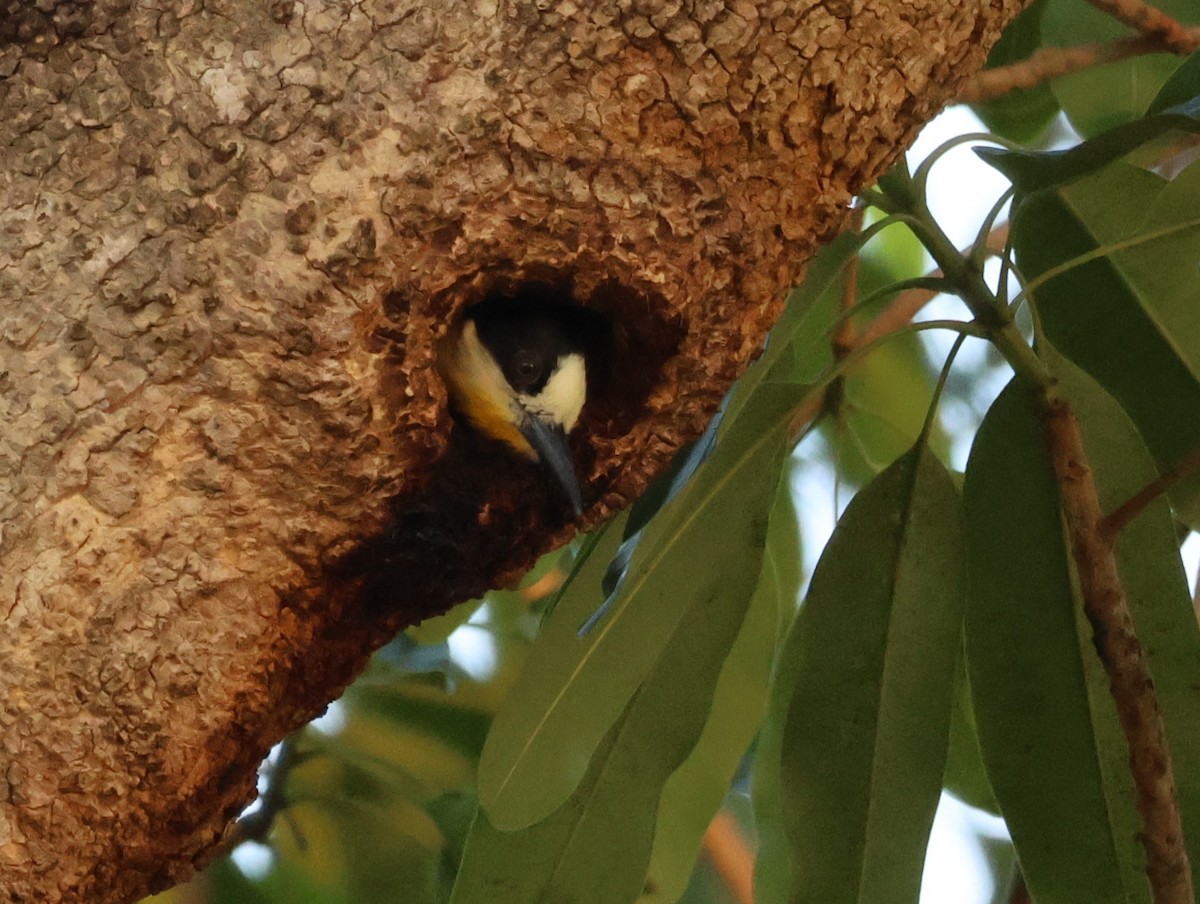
x,y
527,366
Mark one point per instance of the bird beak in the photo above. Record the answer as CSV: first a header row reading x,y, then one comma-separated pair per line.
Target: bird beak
x,y
550,444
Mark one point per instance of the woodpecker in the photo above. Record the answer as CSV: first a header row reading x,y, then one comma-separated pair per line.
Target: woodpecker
x,y
517,370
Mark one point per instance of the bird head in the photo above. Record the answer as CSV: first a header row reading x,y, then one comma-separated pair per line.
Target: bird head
x,y
516,369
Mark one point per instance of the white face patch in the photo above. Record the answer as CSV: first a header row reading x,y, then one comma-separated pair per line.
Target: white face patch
x,y
561,399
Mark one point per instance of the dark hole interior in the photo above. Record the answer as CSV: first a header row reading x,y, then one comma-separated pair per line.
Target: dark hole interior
x,y
630,341
484,507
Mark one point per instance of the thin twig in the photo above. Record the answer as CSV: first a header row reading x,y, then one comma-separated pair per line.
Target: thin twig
x,y
1116,520
1123,657
1170,34
1052,62
731,857
905,306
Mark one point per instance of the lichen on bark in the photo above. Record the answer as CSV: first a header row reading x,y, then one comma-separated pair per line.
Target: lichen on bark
x,y
231,236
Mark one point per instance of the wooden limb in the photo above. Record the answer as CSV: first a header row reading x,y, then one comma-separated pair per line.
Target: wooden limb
x,y
1052,62
1123,657
1170,34
1136,504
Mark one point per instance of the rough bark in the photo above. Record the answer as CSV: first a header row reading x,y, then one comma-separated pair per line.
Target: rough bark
x,y
231,234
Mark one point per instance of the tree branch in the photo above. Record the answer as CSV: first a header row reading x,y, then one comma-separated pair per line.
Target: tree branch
x,y
1170,34
1124,659
1116,520
243,475
1052,62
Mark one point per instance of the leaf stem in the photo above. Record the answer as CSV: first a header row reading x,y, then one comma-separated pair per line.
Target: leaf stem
x,y
966,275
931,414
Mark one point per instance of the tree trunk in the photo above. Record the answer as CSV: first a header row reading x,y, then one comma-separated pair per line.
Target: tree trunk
x,y
231,235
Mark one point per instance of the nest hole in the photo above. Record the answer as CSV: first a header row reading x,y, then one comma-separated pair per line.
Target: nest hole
x,y
632,337
483,513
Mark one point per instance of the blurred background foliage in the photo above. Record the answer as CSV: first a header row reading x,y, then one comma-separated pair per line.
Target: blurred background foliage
x,y
703,724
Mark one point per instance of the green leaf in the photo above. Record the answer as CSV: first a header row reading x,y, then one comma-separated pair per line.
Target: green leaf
x,y
1025,114
435,630
1048,729
966,777
595,552
1032,171
893,256
865,740
227,884
1068,814
882,408
773,863
1131,319
1181,87
221,881
772,868
311,850
291,880
1101,97
595,848
383,711
683,465
882,401
694,793
708,539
